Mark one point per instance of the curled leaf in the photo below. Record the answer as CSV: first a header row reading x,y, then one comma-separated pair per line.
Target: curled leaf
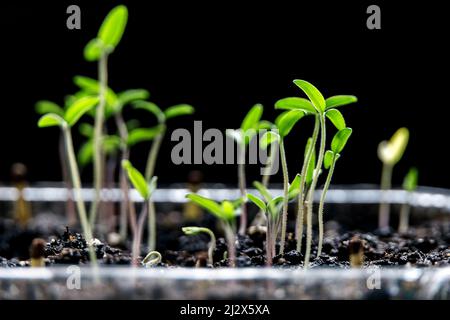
x,y
79,108
143,134
113,27
178,110
252,118
261,205
328,159
93,50
209,205
411,179
152,108
45,106
268,138
50,120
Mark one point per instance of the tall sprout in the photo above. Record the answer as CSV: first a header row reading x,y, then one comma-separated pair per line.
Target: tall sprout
x,y
285,122
249,126
331,156
390,152
98,49
156,134
66,122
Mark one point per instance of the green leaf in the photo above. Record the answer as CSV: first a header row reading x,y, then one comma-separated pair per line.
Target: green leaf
x,y
92,87
294,186
264,125
391,151
50,120
338,101
152,108
252,118
143,134
275,206
295,103
262,190
178,110
207,204
257,201
340,139
313,94
113,26
137,179
79,108
268,138
85,153
228,210
110,144
411,179
152,184
286,121
336,118
45,106
312,163
86,129
328,159
128,96
93,50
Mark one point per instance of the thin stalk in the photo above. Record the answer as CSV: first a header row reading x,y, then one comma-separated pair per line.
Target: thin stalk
x,y
309,205
151,237
149,171
137,236
321,205
70,206
242,188
269,255
76,181
211,245
285,196
124,204
301,195
403,224
386,178
98,133
153,155
231,239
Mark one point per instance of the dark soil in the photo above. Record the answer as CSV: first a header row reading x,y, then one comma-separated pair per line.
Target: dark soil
x,y
420,247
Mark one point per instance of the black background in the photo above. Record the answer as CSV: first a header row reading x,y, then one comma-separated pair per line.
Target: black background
x,y
223,57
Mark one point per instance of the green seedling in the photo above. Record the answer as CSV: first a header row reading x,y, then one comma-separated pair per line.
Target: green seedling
x,y
98,49
322,109
146,191
409,185
226,212
285,122
43,107
249,127
331,156
271,207
390,152
155,133
65,122
212,243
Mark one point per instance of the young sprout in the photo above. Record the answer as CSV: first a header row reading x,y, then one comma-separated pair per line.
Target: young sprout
x,y
156,134
285,122
331,156
98,49
271,206
212,242
146,191
226,212
356,252
243,136
152,259
321,108
409,185
390,152
43,107
70,118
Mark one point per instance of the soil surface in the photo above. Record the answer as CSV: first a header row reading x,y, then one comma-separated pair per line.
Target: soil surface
x,y
421,247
